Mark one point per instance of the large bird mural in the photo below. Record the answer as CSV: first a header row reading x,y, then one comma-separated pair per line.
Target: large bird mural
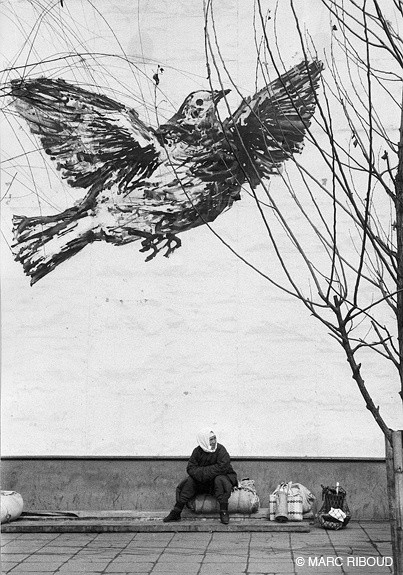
x,y
151,184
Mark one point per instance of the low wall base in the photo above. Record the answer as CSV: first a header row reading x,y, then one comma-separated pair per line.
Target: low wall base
x,y
148,484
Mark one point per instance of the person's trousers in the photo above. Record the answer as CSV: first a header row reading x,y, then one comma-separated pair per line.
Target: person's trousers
x,y
220,487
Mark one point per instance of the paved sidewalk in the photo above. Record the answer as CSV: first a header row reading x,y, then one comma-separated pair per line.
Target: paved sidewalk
x,y
360,549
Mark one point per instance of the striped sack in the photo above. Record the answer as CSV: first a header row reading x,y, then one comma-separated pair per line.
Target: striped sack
x,y
294,507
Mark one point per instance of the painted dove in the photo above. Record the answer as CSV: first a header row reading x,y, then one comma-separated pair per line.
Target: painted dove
x,y
150,184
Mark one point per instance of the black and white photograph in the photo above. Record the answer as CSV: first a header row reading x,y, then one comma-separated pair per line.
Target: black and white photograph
x,y
201,287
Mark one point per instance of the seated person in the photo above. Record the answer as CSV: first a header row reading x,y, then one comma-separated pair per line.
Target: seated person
x,y
210,471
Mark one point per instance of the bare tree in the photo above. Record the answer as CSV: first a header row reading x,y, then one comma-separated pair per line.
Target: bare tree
x,y
342,258
344,254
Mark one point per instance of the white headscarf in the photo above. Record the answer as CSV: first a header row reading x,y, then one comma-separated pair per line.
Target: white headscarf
x,y
203,439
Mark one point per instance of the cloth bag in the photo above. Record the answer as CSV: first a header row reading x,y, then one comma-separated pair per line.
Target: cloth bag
x,y
299,502
11,506
281,509
244,499
308,497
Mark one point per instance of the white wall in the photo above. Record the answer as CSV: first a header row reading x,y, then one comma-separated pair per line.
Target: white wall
x,y
109,355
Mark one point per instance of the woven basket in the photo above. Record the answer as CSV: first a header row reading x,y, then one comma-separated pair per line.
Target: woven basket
x,y
336,498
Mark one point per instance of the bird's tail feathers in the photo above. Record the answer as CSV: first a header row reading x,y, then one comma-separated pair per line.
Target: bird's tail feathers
x,y
42,243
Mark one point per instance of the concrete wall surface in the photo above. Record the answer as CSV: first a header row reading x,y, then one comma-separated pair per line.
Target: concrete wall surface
x,y
149,483
109,355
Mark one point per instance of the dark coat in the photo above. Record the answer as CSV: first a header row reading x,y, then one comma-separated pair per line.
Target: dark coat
x,y
204,467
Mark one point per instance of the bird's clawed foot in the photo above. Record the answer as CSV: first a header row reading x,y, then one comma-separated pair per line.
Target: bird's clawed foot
x,y
169,241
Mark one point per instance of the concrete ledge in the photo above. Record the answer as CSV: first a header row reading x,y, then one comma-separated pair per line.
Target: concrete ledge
x,y
146,484
144,522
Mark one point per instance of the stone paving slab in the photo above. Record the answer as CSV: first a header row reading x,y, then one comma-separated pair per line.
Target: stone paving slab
x,y
316,552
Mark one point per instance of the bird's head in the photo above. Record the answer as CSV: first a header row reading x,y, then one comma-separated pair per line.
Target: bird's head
x,y
198,110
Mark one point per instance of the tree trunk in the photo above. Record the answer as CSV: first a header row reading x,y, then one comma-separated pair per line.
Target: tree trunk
x,y
398,473
399,249
394,450
394,470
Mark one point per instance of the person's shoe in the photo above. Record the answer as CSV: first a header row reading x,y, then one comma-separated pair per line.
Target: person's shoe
x,y
174,515
224,517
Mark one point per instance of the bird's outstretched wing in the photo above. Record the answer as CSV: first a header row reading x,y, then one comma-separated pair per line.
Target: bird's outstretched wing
x,y
94,140
270,126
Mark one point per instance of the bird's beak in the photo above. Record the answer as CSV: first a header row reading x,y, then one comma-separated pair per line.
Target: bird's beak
x,y
219,94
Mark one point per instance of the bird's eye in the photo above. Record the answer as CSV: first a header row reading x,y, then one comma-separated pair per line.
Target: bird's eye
x,y
199,102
